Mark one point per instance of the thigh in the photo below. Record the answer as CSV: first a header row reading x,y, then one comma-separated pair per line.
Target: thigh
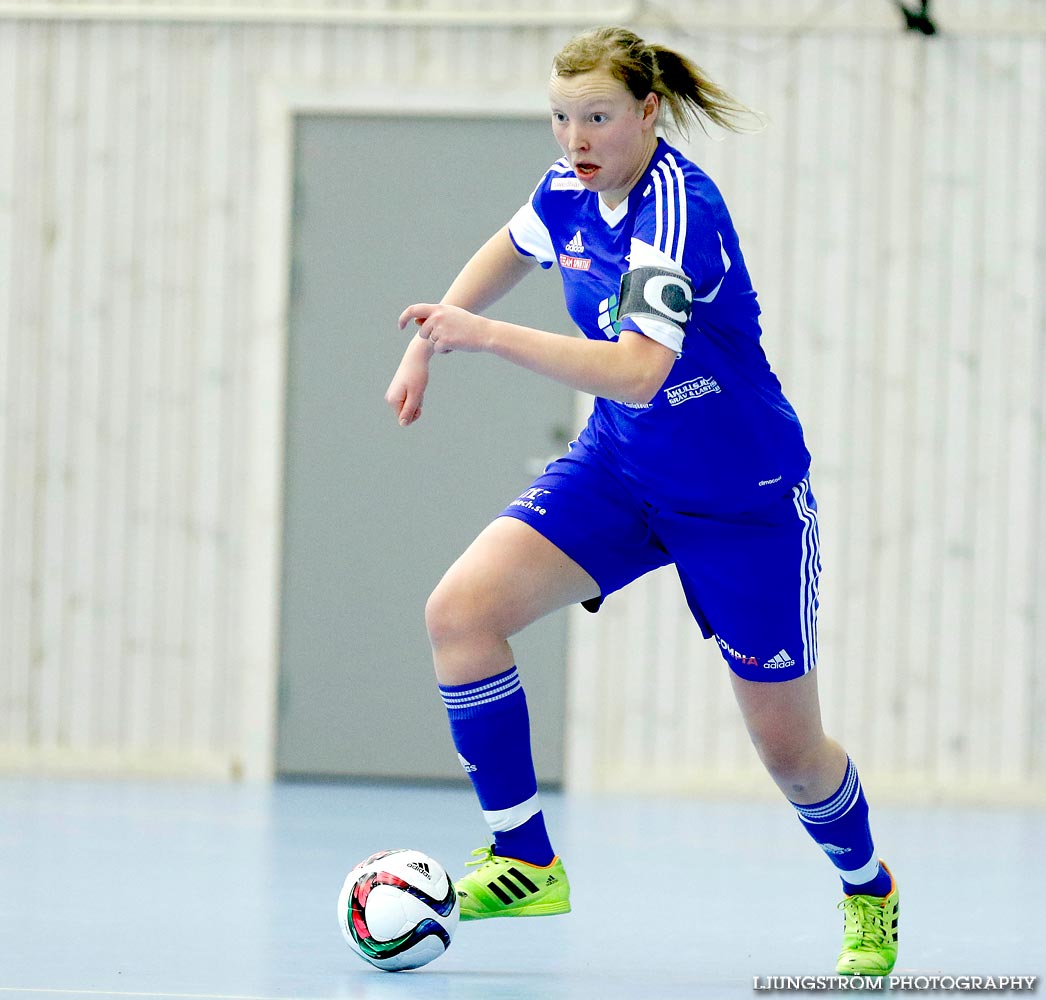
x,y
511,576
585,511
751,581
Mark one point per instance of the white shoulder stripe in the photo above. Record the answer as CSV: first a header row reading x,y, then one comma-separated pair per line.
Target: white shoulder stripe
x,y
659,242
675,191
670,209
681,191
671,201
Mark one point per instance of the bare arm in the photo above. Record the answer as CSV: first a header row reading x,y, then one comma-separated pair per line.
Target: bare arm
x,y
494,269
630,369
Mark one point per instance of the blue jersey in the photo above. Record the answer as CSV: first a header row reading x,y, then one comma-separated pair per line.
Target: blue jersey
x,y
720,435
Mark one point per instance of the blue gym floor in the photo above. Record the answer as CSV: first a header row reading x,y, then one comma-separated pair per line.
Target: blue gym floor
x,y
143,889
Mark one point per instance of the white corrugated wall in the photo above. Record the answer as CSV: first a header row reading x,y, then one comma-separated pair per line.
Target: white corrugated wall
x,y
894,218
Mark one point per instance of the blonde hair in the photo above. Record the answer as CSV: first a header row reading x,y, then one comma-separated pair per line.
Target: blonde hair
x,y
690,96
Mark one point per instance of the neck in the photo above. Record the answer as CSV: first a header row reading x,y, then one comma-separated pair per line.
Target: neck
x,y
614,198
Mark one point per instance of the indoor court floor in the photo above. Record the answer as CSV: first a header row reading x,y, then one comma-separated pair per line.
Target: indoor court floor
x,y
143,889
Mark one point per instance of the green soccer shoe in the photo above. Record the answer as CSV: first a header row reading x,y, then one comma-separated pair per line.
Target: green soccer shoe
x,y
869,933
506,887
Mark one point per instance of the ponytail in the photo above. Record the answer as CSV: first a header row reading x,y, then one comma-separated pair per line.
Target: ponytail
x,y
690,96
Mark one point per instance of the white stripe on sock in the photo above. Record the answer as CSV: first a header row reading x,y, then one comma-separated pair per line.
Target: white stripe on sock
x,y
482,693
839,805
862,875
500,820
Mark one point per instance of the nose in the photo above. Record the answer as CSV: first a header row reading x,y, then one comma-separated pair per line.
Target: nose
x,y
576,139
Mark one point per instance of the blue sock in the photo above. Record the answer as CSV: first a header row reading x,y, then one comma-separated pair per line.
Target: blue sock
x,y
490,727
839,824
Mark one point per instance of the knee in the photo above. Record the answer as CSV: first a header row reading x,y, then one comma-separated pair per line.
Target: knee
x,y
455,612
786,755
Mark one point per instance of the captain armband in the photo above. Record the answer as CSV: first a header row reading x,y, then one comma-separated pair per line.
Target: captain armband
x,y
656,293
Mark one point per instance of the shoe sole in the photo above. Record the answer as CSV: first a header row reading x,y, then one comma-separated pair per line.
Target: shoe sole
x,y
532,910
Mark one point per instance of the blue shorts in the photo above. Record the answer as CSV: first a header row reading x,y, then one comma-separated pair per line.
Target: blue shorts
x,y
750,579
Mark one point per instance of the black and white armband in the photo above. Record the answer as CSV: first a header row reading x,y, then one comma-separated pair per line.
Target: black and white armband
x,y
656,293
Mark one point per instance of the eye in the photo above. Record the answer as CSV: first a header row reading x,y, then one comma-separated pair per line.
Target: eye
x,y
558,117
599,118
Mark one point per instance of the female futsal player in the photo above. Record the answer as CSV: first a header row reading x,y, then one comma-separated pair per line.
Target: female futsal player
x,y
692,456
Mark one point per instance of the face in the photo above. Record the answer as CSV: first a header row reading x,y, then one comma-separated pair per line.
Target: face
x,y
607,135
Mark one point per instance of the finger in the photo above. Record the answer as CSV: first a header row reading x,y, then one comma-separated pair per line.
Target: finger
x,y
407,419
409,404
416,312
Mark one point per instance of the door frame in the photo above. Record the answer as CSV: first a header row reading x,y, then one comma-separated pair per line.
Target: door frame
x,y
265,367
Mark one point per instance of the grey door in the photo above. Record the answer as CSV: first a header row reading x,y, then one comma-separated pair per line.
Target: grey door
x,y
386,212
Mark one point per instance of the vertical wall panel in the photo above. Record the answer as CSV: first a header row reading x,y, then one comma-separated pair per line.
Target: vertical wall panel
x,y
118,318
90,555
888,673
206,391
1034,696
956,406
17,481
929,337
31,159
8,359
78,475
850,634
145,581
54,369
1026,611
991,647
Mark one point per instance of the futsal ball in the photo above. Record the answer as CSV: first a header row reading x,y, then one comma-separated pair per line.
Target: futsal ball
x,y
398,910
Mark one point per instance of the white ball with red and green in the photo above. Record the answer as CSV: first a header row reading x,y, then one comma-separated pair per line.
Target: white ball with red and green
x,y
398,910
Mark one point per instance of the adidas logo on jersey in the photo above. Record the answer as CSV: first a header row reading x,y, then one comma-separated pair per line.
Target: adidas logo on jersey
x,y
422,868
570,260
832,849
779,661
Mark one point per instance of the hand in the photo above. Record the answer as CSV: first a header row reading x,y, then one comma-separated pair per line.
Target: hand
x,y
407,389
447,328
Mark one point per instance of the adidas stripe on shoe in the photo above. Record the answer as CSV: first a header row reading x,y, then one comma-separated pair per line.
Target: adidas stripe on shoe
x,y
507,887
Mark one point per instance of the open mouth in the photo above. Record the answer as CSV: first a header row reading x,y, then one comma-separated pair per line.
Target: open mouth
x,y
585,171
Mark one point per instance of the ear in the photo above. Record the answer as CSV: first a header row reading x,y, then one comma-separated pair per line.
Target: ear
x,y
650,107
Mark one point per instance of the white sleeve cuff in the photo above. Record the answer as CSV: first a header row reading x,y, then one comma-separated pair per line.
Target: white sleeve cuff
x,y
530,234
667,334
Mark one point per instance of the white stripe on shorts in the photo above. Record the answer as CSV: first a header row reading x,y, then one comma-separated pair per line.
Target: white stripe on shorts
x,y
808,574
500,820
